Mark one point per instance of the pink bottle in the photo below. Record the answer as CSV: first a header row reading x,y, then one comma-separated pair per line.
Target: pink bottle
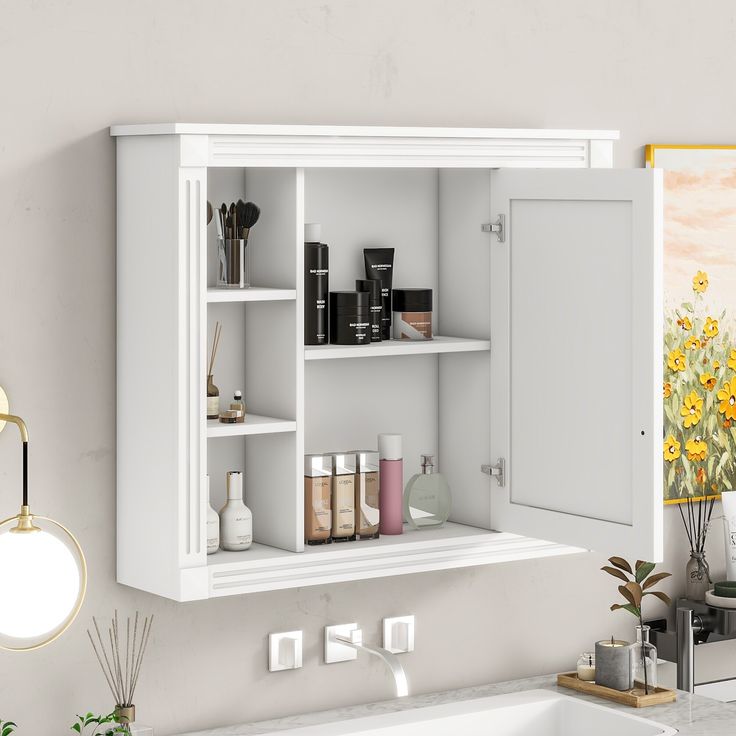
x,y
391,498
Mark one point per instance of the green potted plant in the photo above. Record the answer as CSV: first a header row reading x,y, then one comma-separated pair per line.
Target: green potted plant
x,y
7,727
92,725
638,583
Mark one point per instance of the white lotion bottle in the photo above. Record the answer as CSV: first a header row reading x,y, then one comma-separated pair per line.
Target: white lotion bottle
x,y
236,519
213,524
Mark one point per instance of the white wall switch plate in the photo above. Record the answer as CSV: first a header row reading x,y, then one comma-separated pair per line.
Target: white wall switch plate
x,y
398,634
285,651
334,651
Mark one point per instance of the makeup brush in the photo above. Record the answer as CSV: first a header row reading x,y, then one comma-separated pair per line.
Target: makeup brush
x,y
251,213
223,210
240,211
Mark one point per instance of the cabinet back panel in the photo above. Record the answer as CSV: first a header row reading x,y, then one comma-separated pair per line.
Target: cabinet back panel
x,y
348,402
272,240
566,318
229,369
387,208
223,185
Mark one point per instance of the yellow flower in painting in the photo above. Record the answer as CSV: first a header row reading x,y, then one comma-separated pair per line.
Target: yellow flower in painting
x,y
727,397
677,362
696,449
732,360
671,449
700,282
692,343
667,389
711,327
716,365
692,410
708,380
685,323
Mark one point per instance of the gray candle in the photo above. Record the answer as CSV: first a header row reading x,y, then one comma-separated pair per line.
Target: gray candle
x,y
613,664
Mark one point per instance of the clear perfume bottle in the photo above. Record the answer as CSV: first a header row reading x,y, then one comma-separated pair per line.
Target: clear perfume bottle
x,y
427,499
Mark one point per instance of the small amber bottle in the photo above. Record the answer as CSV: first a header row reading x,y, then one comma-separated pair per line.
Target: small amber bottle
x,y
238,406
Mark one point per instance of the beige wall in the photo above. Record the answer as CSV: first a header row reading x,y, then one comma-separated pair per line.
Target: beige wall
x,y
660,71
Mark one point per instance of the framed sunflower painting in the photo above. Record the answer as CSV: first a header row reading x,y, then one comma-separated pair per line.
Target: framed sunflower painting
x,y
699,356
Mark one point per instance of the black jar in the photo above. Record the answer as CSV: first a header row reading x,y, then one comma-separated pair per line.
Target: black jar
x,y
350,322
375,304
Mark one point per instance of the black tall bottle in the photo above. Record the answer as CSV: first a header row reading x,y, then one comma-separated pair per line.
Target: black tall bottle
x,y
316,286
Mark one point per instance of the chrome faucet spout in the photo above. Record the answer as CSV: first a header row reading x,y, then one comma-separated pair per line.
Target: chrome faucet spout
x,y
402,684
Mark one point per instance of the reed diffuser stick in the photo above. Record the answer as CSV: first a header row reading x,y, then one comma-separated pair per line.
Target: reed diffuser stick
x,y
697,523
122,667
215,345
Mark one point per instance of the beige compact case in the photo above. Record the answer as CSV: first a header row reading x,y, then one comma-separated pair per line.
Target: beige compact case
x,y
318,499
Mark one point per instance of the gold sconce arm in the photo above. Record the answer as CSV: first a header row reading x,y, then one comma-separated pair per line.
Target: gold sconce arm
x,y
13,419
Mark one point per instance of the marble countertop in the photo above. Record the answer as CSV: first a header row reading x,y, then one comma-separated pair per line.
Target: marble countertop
x,y
691,715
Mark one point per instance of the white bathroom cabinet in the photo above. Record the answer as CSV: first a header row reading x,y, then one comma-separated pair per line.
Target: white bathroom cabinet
x,y
548,355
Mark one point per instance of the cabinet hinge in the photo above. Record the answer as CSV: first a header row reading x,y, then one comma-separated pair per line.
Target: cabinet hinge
x,y
498,228
497,471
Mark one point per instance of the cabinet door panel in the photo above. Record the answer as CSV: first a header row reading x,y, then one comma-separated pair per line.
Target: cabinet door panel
x,y
575,358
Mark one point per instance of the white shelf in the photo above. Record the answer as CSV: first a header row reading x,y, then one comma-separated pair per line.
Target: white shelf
x,y
253,424
252,294
355,131
455,545
397,347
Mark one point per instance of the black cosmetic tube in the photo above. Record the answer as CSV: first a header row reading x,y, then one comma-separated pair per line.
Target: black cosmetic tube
x,y
375,307
379,266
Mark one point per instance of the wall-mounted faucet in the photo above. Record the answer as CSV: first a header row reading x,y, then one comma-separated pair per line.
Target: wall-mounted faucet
x,y
695,623
344,641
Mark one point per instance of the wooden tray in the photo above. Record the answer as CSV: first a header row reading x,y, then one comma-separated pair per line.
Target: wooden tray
x,y
635,698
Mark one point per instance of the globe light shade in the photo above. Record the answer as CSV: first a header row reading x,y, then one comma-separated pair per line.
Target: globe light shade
x,y
43,576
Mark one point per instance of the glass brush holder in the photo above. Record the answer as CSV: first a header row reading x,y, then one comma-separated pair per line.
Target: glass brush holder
x,y
233,263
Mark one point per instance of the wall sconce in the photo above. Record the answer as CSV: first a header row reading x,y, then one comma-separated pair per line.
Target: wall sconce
x,y
43,574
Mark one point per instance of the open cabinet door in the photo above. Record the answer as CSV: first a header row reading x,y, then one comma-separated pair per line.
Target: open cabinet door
x,y
576,344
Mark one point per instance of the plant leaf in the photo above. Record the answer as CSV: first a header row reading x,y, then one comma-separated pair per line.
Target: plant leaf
x,y
627,607
632,593
643,570
620,574
654,579
662,596
621,564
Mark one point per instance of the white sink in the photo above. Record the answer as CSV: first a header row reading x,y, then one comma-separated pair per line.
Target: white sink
x,y
530,713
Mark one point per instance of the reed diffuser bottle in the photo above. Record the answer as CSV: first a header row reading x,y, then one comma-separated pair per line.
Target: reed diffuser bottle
x,y
697,523
213,393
